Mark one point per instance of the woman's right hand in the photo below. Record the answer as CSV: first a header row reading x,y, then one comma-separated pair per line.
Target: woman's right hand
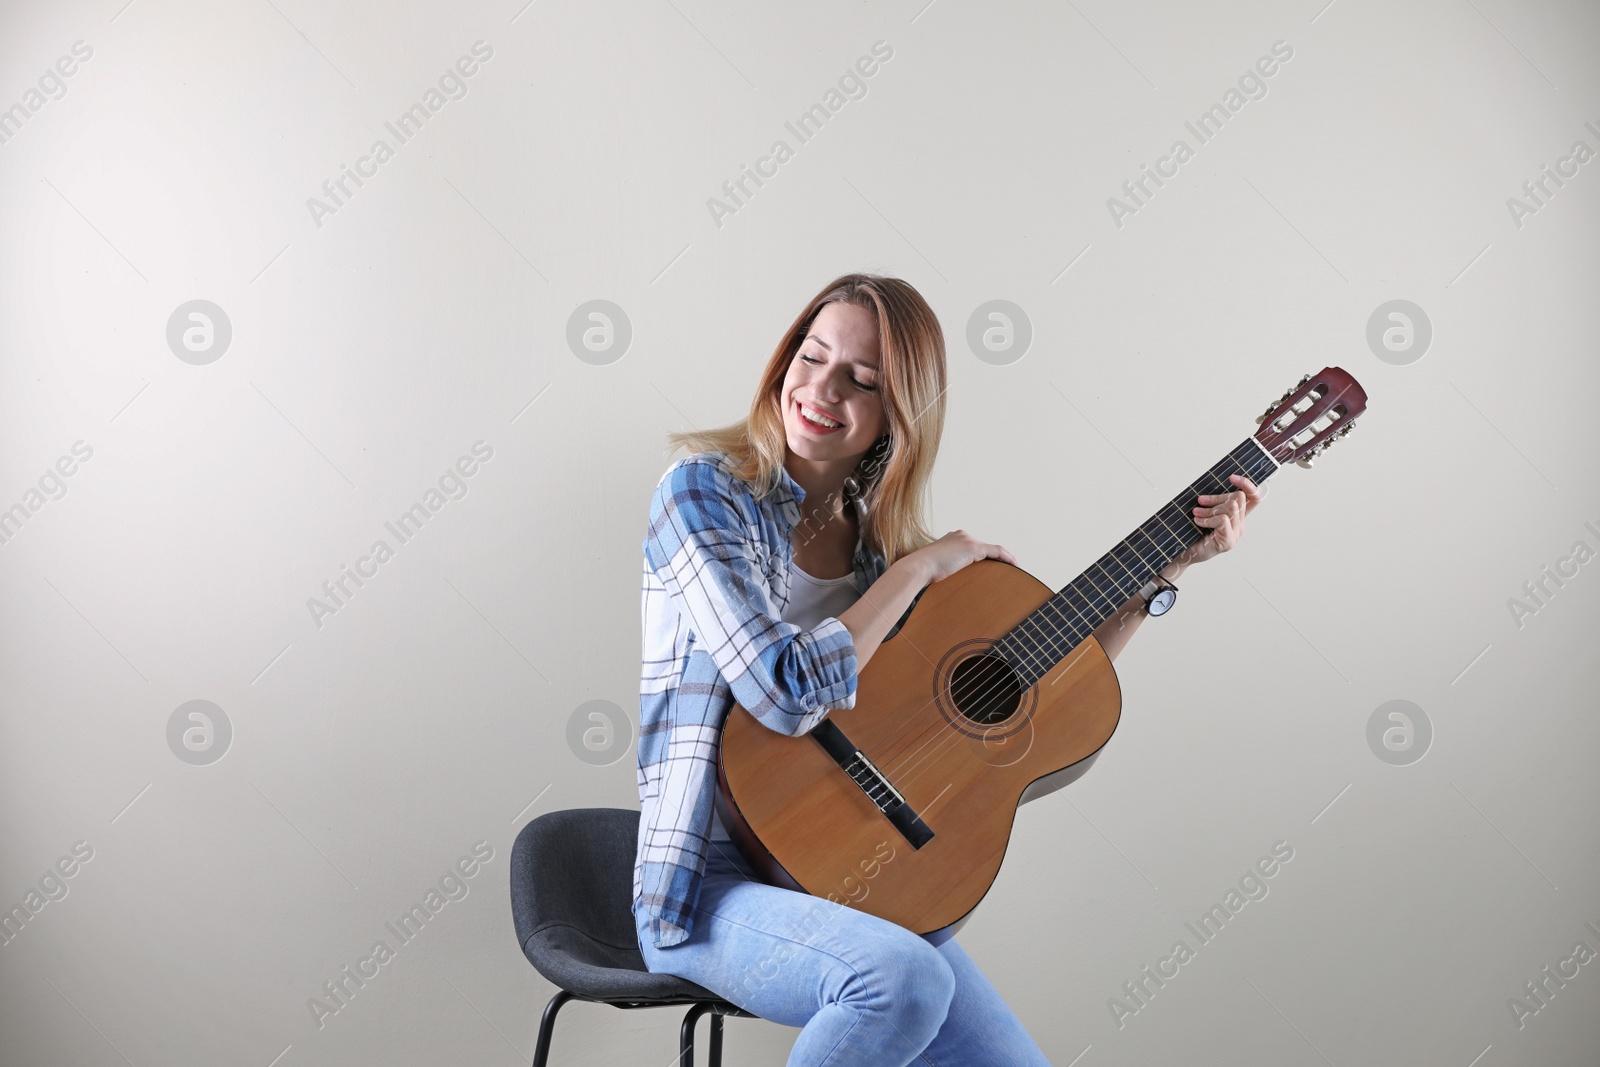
x,y
953,551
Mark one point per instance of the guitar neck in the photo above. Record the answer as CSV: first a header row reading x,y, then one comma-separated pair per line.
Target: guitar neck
x,y
1063,622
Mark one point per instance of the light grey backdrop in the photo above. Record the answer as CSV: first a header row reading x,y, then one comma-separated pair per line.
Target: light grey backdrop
x,y
376,335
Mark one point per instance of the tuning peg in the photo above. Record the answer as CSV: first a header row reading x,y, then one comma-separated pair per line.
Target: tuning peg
x,y
1311,456
1287,393
1273,407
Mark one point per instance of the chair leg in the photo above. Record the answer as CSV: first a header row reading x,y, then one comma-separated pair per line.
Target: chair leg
x,y
547,1026
714,1057
686,1034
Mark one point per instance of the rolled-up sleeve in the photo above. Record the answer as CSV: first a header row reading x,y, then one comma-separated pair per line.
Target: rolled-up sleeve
x,y
699,547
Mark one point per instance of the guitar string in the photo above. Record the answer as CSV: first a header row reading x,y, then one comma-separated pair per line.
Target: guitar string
x,y
1050,641
1055,650
1054,653
1049,651
942,735
1047,644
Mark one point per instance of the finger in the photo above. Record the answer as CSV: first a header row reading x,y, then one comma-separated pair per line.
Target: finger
x,y
1221,501
1254,494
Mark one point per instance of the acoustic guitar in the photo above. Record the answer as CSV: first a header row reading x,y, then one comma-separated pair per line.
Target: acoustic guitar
x,y
990,689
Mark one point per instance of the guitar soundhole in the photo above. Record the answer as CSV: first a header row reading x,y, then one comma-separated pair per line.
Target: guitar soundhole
x,y
985,690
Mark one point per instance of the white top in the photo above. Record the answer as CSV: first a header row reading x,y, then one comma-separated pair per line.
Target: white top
x,y
810,601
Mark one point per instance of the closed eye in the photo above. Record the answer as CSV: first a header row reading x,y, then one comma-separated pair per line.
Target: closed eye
x,y
863,386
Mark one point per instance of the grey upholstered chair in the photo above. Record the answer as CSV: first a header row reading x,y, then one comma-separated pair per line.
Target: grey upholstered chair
x,y
571,898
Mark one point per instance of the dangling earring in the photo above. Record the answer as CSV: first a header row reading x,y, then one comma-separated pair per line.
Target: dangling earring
x,y
870,462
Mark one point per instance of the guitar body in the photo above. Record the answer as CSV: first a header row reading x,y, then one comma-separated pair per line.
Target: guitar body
x,y
805,822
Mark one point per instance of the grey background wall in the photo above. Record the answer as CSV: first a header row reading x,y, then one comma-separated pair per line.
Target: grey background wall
x,y
227,859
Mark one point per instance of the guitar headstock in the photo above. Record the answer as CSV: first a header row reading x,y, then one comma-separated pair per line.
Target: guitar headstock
x,y
1310,416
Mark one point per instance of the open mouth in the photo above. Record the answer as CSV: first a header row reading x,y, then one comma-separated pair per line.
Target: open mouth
x,y
816,421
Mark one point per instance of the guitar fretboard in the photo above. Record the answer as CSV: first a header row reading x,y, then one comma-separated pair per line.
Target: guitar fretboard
x,y
1045,637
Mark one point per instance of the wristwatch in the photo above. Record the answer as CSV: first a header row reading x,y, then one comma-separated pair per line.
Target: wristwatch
x,y
1159,596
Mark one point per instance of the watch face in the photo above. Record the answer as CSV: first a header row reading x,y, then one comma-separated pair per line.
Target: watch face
x,y
1162,601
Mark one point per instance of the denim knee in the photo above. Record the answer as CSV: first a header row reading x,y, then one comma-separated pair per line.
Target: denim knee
x,y
911,983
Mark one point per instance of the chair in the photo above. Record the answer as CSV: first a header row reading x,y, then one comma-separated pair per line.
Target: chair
x,y
571,899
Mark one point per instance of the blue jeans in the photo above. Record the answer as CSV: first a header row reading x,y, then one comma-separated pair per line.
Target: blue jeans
x,y
865,992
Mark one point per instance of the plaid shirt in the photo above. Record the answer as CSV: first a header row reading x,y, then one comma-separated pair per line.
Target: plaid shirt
x,y
716,582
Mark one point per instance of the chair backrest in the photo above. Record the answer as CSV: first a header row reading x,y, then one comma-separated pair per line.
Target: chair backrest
x,y
572,884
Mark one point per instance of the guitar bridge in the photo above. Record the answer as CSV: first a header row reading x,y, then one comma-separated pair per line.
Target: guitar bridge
x,y
873,782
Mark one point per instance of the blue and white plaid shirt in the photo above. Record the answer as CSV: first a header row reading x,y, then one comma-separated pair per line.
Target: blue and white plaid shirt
x,y
716,581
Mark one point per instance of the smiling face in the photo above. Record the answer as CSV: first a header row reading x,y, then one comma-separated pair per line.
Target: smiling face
x,y
832,410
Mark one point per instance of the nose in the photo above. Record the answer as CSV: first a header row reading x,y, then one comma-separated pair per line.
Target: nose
x,y
827,385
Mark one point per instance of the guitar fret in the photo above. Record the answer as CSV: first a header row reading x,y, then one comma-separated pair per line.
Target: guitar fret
x,y
1062,600
1048,635
1098,588
1139,562
1145,556
1124,563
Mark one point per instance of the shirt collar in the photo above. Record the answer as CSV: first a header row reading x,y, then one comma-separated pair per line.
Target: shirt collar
x,y
789,495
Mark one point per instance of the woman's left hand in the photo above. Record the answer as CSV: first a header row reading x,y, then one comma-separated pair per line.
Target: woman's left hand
x,y
1224,514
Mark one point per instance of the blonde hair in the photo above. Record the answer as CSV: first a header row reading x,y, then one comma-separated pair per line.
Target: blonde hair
x,y
892,478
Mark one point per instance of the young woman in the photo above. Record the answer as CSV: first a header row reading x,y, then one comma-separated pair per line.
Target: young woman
x,y
778,556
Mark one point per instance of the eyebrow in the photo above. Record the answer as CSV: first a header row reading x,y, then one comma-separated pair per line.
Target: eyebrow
x,y
859,363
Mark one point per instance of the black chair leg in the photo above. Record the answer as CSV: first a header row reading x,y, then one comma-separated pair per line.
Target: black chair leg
x,y
686,1035
547,1026
714,1057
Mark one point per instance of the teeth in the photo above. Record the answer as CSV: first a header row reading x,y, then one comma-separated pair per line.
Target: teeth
x,y
818,418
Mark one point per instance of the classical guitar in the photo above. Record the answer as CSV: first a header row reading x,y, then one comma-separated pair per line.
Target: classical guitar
x,y
989,685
